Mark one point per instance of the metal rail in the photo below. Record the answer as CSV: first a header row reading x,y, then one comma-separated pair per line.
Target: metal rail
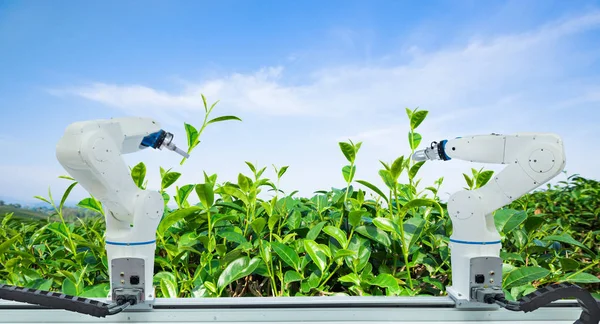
x,y
368,310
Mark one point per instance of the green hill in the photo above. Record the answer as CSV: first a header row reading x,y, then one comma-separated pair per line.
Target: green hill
x,y
22,213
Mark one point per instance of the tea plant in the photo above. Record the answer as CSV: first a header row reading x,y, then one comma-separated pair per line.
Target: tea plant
x,y
357,240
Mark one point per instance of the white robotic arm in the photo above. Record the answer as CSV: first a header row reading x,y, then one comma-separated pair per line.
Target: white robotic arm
x,y
532,159
91,152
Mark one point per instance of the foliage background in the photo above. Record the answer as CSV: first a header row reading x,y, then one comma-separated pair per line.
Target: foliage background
x,y
249,238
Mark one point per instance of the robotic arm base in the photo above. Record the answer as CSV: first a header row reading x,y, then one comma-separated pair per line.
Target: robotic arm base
x,y
129,283
484,272
131,250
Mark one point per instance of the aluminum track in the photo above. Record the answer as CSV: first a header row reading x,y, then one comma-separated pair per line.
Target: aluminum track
x,y
371,310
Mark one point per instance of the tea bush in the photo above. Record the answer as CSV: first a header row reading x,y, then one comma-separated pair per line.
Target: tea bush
x,y
357,240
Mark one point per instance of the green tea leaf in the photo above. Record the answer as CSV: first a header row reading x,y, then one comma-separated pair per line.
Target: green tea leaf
x,y
232,236
187,240
183,193
200,292
533,223
386,176
350,278
468,180
206,194
310,283
66,195
239,268
273,220
291,276
97,291
91,204
69,287
342,253
315,231
287,254
374,234
216,218
7,244
169,179
244,182
483,178
337,234
420,202
582,277
412,173
42,199
566,238
138,174
265,251
205,104
221,249
524,275
507,220
374,188
267,207
166,197
511,256
388,282
409,113
514,221
360,197
348,173
414,139
385,165
282,171
168,288
251,166
177,216
294,220
223,118
397,167
348,151
317,255
41,284
386,224
568,264
520,237
210,286
434,282
413,228
258,225
355,217
210,179
417,118
192,135
231,205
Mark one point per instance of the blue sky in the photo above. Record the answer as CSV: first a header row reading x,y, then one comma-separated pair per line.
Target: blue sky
x,y
302,76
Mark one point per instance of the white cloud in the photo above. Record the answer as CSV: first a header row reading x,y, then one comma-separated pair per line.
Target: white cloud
x,y
505,84
438,79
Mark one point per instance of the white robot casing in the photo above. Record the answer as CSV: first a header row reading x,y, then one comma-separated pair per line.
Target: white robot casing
x,y
531,160
90,152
